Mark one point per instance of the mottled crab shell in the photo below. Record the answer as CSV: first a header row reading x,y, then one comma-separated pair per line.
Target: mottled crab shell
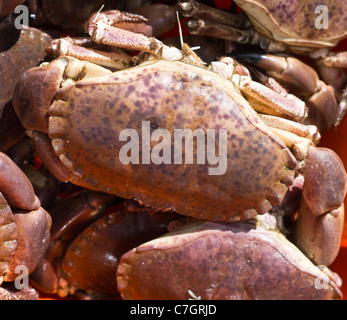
x,y
240,260
293,22
87,118
91,261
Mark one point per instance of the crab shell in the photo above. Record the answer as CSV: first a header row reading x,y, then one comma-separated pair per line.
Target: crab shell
x,y
91,261
86,243
240,260
86,119
293,22
24,235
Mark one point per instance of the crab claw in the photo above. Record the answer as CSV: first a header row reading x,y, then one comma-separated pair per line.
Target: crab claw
x,y
34,95
32,241
319,236
8,234
24,236
38,86
319,227
325,183
213,260
15,186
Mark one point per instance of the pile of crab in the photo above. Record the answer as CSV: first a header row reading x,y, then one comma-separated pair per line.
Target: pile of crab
x,y
77,219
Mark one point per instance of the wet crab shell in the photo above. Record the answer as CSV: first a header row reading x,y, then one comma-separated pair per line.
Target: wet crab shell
x,y
87,118
293,22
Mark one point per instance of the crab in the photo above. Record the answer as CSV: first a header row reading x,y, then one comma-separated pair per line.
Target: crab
x,y
288,27
14,60
244,260
87,243
24,228
78,136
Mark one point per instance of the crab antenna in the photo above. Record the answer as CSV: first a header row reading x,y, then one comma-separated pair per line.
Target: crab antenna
x,y
102,7
181,34
180,29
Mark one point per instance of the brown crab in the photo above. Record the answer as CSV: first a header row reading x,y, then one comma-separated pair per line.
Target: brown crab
x,y
87,243
289,27
241,260
24,226
175,89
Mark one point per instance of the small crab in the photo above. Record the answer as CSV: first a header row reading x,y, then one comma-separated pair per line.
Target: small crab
x,y
288,27
267,143
24,225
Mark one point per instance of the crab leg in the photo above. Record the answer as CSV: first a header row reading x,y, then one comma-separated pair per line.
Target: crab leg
x,y
304,131
201,27
112,36
118,29
117,59
268,101
319,227
225,26
151,20
296,144
102,29
337,60
259,96
337,78
196,9
297,76
268,81
8,235
303,81
114,17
